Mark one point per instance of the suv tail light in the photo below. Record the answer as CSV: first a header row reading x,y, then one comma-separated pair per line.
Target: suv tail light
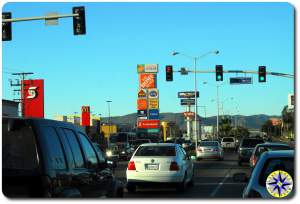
x,y
131,165
174,166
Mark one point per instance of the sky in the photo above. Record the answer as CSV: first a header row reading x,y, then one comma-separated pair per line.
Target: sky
x,y
101,65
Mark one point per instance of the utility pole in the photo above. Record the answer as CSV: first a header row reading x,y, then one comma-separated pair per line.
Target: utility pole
x,y
22,89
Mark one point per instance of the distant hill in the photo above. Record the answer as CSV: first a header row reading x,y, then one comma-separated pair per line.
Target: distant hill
x,y
251,122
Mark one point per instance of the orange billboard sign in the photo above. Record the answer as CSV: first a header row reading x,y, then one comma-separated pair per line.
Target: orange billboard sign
x,y
147,81
142,104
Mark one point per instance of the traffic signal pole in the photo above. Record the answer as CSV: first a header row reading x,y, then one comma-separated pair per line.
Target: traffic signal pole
x,y
52,17
241,71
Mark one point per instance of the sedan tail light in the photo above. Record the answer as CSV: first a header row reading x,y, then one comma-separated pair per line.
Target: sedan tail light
x,y
174,166
131,165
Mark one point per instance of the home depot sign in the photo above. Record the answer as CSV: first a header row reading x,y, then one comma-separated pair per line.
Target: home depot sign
x,y
147,81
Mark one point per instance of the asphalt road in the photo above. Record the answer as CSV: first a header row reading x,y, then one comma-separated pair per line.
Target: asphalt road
x,y
213,179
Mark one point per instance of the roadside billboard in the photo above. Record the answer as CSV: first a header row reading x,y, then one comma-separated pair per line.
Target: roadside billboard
x,y
85,116
153,103
148,124
188,94
147,68
142,93
142,113
153,93
142,104
147,81
33,98
154,114
188,114
187,102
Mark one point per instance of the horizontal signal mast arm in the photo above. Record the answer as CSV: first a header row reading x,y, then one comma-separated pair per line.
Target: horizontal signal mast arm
x,y
39,18
241,71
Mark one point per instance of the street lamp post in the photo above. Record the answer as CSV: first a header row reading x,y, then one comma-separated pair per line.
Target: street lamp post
x,y
218,105
195,58
108,106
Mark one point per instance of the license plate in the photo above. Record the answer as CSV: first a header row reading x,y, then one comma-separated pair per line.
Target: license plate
x,y
152,166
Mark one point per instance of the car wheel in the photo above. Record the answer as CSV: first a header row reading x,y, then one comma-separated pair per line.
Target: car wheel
x,y
198,159
131,188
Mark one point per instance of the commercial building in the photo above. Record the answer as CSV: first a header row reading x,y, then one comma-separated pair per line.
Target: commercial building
x,y
10,108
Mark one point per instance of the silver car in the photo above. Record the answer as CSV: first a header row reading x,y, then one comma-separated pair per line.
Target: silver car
x,y
268,163
209,149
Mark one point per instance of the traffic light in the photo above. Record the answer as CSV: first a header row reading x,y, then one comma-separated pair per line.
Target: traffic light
x,y
169,73
262,74
219,72
79,21
6,27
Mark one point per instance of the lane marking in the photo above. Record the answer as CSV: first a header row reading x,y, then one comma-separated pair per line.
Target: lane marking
x,y
200,184
220,184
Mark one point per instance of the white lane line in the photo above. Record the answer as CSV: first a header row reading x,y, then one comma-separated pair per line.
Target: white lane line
x,y
219,185
201,184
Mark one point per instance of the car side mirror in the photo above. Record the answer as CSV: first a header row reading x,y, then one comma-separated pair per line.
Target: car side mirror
x,y
240,177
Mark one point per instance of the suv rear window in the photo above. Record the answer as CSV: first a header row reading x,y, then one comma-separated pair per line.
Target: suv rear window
x,y
251,142
228,139
18,145
274,164
156,151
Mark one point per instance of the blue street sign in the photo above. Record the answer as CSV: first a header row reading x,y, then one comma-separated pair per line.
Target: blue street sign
x,y
154,114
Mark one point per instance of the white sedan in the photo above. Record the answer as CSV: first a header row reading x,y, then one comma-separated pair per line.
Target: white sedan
x,y
160,163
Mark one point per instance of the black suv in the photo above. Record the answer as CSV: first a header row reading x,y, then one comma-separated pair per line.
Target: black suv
x,y
47,158
246,148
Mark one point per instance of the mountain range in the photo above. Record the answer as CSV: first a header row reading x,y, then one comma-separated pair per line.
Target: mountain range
x,y
250,122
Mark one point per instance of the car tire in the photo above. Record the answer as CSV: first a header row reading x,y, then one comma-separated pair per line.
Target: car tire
x,y
131,188
198,159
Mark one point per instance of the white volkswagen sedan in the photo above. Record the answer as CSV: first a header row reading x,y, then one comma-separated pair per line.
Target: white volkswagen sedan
x,y
157,164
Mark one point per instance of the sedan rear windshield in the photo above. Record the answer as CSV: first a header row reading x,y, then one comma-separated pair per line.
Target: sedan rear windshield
x,y
251,142
228,139
156,151
205,144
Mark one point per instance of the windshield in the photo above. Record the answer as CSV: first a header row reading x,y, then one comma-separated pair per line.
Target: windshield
x,y
120,137
228,139
205,144
263,149
251,142
156,151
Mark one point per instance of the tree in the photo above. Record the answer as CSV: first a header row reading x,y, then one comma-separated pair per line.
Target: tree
x,y
239,132
225,127
267,127
288,119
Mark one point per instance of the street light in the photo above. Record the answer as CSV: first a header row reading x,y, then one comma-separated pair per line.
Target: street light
x,y
218,105
108,106
195,58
